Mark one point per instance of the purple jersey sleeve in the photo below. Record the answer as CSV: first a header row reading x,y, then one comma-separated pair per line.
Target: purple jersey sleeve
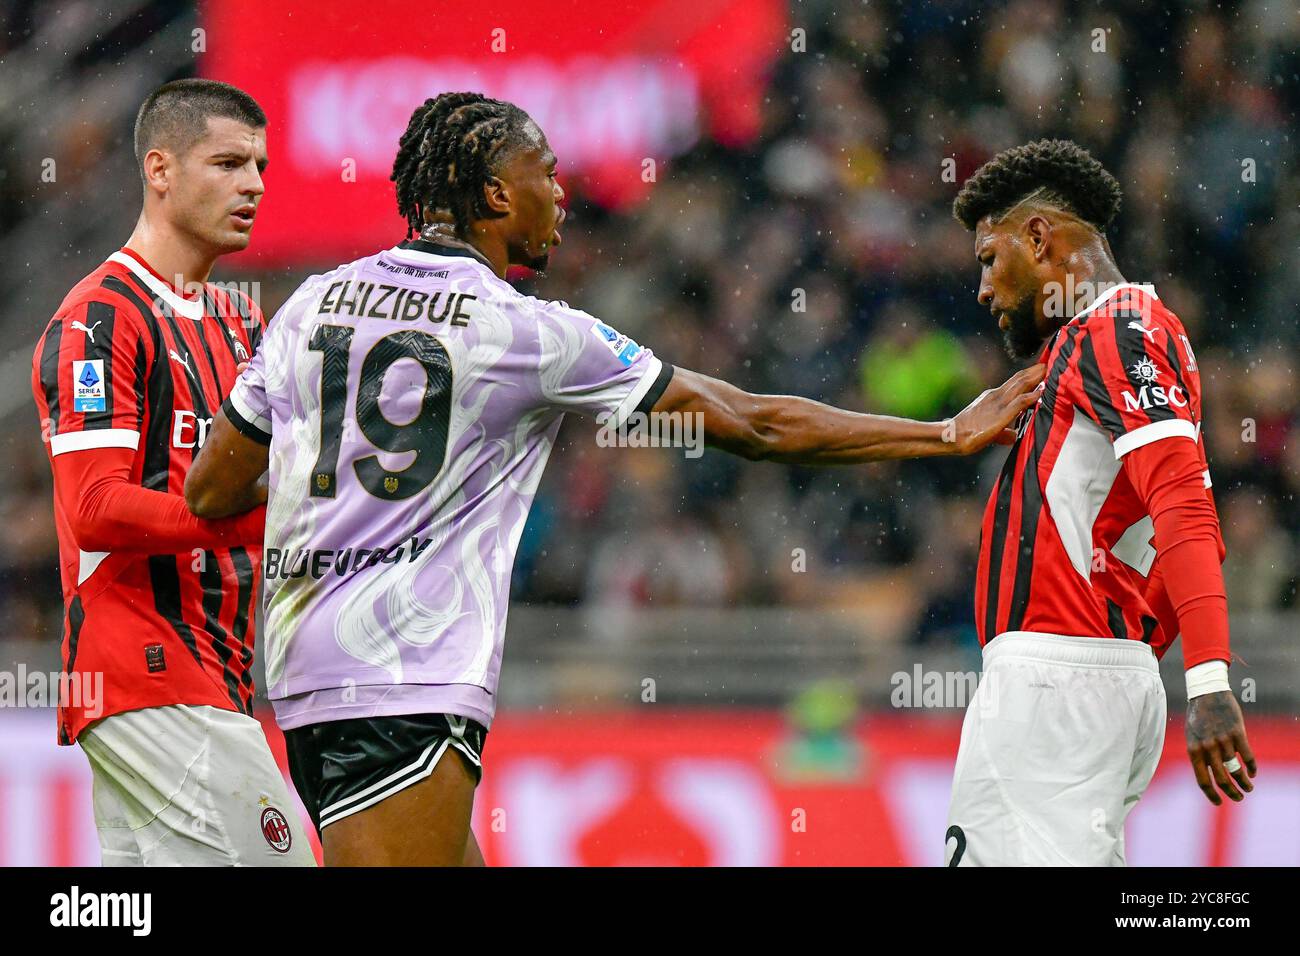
x,y
247,406
589,367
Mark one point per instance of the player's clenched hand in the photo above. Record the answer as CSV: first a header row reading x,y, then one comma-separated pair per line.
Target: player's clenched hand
x,y
1216,734
989,417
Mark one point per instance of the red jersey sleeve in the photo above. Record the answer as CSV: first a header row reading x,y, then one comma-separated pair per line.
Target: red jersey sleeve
x,y
1186,589
1138,374
107,512
89,375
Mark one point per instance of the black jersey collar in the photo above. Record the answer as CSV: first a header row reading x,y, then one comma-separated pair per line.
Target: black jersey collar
x,y
439,249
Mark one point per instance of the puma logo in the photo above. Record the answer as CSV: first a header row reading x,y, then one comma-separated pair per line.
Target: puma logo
x,y
1149,333
182,361
90,332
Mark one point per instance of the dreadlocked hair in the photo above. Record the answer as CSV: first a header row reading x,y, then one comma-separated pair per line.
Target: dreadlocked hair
x,y
449,151
1058,171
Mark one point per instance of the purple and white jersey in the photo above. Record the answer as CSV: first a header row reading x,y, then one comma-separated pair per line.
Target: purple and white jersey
x,y
411,400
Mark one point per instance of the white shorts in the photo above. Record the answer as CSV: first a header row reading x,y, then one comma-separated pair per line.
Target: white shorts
x,y
190,785
1060,740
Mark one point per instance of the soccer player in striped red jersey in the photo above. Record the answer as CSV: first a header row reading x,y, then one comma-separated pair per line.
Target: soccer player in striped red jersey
x,y
158,632
1100,542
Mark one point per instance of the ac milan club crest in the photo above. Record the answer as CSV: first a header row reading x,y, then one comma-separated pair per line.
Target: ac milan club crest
x,y
276,830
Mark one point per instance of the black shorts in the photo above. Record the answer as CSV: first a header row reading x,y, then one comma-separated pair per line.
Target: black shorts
x,y
342,766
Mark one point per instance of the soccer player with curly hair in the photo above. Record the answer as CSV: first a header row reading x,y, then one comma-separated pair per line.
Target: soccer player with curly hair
x,y
1100,542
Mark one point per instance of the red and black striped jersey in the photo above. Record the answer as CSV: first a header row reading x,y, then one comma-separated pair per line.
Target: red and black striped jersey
x,y
129,365
1067,545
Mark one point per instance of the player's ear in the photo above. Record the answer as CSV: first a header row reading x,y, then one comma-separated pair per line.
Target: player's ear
x,y
156,167
1039,233
497,195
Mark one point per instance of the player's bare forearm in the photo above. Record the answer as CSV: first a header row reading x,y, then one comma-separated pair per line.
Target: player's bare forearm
x,y
219,499
1216,735
794,430
256,495
228,476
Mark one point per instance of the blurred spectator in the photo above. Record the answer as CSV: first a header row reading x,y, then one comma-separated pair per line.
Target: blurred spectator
x,y
1260,569
913,370
31,598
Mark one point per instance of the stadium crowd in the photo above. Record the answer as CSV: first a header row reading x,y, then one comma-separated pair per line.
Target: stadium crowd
x,y
822,260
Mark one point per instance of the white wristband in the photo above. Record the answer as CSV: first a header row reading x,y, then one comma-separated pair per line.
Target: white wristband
x,y
1208,678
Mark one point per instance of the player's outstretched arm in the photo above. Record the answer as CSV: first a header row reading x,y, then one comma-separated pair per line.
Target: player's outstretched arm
x,y
228,474
795,430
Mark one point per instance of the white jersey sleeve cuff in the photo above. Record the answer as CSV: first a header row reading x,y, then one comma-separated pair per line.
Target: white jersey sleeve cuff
x,y
1169,428
246,412
629,404
95,438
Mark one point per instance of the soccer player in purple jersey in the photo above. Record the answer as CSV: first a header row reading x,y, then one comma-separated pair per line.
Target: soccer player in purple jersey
x,y
403,407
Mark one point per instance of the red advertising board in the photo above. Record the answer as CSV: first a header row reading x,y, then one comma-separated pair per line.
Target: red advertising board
x,y
712,788
612,82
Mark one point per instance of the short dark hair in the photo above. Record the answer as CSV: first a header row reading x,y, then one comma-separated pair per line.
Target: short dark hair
x,y
452,145
176,114
1064,173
